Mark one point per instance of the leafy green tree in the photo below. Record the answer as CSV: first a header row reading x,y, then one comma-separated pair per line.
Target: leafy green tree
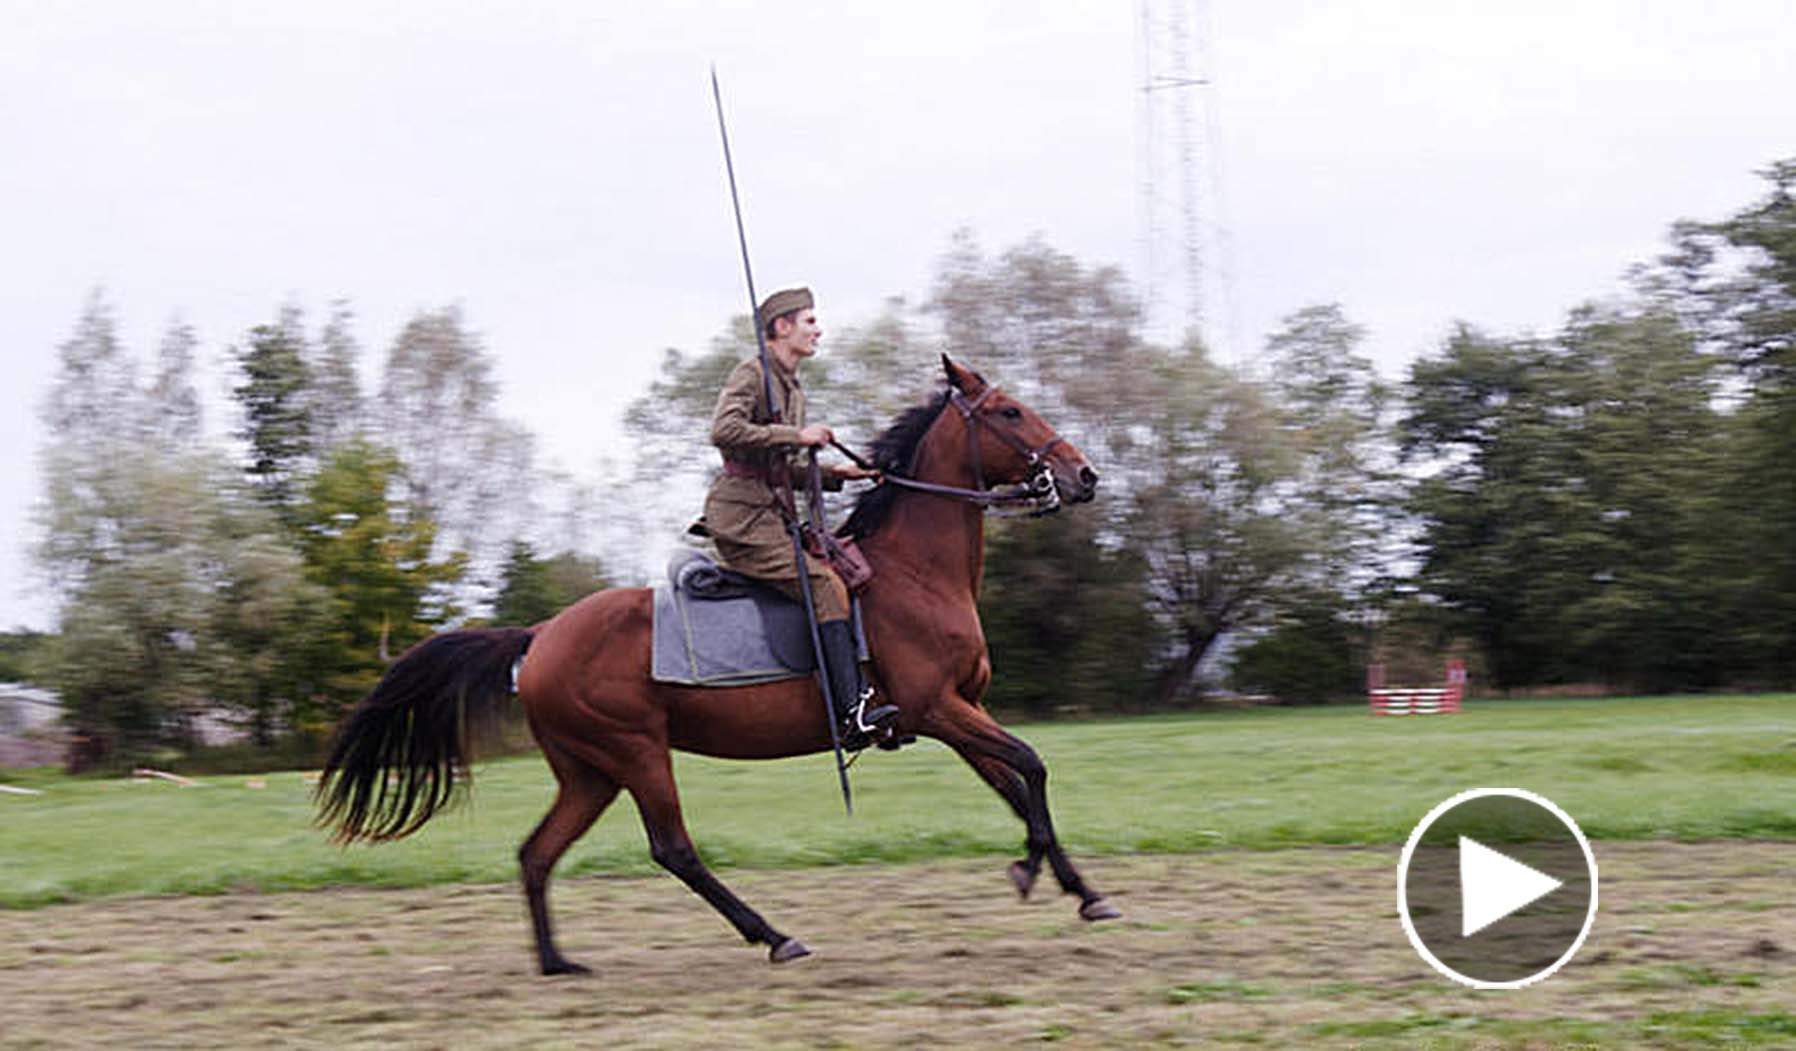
x,y
90,405
1218,520
467,469
1746,294
534,589
669,426
1335,408
1327,559
334,402
1638,399
274,393
152,541
267,624
1490,503
874,371
1064,336
153,638
1567,518
18,654
524,593
174,419
1064,619
1311,655
88,416
1762,302
373,554
1757,512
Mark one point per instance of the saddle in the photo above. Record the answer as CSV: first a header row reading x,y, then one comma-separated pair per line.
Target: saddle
x,y
714,627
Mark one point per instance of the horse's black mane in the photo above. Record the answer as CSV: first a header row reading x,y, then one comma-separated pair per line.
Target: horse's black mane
x,y
892,452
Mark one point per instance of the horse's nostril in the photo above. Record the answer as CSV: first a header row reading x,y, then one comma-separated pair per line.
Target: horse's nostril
x,y
1088,477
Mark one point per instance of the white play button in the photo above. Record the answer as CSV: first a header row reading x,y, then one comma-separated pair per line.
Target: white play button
x,y
1493,885
1497,888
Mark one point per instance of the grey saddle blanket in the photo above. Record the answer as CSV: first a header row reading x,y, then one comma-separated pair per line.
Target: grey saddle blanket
x,y
718,628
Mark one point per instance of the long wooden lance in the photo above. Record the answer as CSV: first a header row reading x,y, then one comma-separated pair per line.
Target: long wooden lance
x,y
792,526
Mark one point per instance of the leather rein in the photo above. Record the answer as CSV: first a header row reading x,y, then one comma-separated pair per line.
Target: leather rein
x,y
1038,491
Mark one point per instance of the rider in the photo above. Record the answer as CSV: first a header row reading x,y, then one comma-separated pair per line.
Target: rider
x,y
742,511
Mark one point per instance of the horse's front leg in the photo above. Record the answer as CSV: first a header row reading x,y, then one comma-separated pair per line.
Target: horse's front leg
x,y
1008,784
1013,769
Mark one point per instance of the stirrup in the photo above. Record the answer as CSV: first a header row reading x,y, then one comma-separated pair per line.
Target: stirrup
x,y
863,720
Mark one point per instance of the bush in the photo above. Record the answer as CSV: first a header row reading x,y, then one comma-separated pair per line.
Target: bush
x,y
1310,657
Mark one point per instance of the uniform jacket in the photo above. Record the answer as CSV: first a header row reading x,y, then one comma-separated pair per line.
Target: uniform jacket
x,y
741,513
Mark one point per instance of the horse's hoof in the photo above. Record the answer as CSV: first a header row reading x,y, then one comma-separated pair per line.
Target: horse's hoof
x,y
565,967
1098,909
790,949
1023,878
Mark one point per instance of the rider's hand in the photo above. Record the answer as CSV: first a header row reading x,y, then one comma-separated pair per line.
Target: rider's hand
x,y
855,472
816,434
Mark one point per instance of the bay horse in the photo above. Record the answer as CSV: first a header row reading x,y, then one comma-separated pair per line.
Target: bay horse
x,y
605,726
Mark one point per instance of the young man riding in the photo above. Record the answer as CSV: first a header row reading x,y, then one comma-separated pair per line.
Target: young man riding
x,y
742,510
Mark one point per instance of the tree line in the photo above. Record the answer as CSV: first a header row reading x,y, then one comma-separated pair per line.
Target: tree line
x,y
1613,503
267,580
1618,501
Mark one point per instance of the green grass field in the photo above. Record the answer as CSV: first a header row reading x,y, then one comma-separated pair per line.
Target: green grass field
x,y
1685,768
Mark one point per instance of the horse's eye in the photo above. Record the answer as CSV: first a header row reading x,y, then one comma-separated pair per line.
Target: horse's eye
x,y
1012,413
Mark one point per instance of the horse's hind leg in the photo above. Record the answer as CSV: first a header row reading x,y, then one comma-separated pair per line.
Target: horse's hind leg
x,y
583,795
1012,768
672,849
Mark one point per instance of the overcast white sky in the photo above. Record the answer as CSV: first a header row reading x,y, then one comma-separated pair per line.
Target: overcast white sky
x,y
553,167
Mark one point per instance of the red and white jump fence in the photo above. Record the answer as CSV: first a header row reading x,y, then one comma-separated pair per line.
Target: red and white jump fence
x,y
1428,700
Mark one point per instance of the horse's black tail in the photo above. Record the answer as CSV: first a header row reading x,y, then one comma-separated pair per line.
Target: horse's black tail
x,y
397,755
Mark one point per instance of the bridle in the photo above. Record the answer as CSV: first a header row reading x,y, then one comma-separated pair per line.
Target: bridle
x,y
1039,493
969,411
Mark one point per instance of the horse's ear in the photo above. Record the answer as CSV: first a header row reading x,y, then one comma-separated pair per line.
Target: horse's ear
x,y
962,379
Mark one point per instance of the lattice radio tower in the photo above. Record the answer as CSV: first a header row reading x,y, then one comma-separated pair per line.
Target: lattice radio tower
x,y
1179,206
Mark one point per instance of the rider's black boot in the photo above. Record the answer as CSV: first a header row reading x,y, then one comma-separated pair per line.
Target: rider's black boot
x,y
860,722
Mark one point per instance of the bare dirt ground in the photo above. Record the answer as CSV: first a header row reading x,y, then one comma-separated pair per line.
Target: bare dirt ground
x,y
1284,949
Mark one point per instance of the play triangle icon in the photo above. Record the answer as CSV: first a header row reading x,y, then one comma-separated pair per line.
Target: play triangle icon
x,y
1493,885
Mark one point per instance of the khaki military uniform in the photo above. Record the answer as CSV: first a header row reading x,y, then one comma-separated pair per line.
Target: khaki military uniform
x,y
741,509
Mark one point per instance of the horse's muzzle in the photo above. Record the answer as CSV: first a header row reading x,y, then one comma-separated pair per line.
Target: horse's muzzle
x,y
1078,485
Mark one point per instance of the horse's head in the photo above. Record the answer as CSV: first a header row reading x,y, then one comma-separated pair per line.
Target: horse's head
x,y
1011,444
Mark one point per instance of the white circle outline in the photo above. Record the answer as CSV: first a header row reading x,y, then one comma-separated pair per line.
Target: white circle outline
x,y
1409,850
